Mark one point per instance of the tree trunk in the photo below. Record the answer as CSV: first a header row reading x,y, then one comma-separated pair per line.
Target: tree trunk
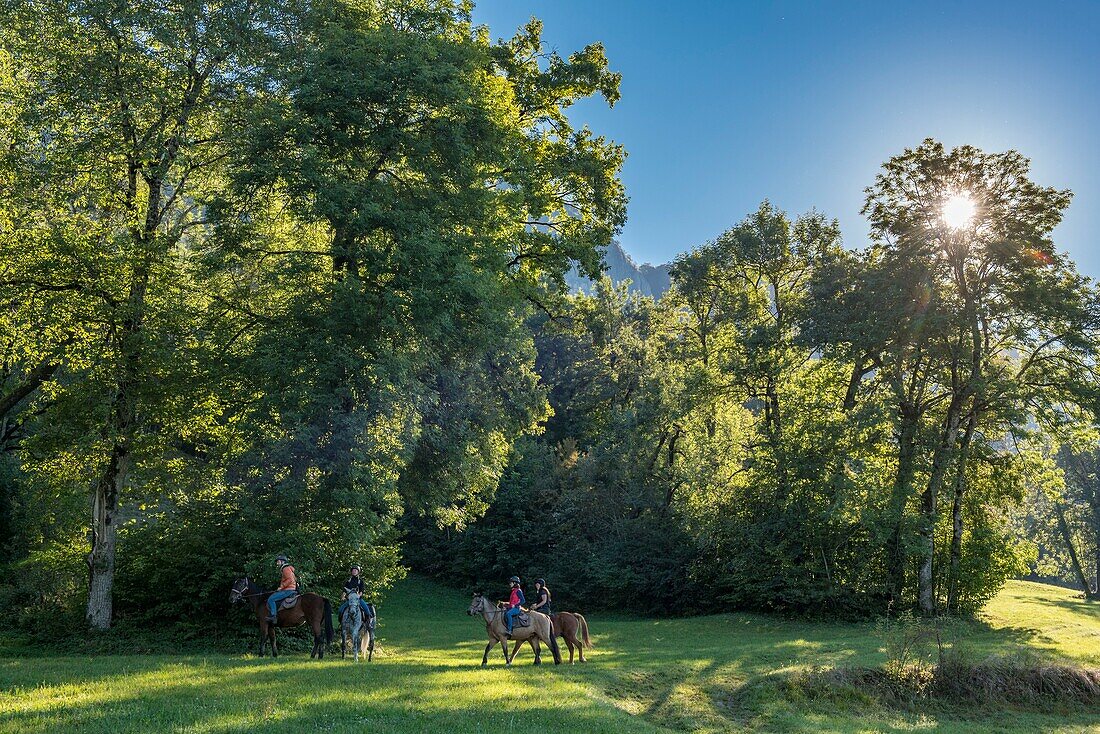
x,y
956,515
926,597
774,423
1096,538
105,500
104,535
120,425
903,483
1067,537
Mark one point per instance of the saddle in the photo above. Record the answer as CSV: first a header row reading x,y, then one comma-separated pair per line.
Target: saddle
x,y
289,602
522,620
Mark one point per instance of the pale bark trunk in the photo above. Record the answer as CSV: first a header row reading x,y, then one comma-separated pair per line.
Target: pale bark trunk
x,y
101,561
121,425
108,490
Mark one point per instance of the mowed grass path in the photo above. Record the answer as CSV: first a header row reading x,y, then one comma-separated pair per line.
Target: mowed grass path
x,y
644,676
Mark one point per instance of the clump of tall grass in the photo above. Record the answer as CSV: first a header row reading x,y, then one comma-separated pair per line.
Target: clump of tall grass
x,y
925,665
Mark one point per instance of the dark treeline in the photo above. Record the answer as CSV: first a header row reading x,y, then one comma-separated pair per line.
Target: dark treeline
x,y
290,278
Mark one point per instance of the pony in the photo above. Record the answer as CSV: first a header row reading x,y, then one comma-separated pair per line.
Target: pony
x,y
538,631
312,608
566,625
352,626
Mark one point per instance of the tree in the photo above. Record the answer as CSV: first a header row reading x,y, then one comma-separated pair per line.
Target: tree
x,y
295,246
987,269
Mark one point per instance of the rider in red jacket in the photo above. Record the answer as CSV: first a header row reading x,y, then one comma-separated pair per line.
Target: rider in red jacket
x,y
515,602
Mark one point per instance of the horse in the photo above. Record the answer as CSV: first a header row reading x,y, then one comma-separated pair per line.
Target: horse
x,y
352,625
566,624
312,608
538,631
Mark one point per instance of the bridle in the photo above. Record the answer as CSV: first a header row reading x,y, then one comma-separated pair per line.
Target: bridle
x,y
492,612
238,594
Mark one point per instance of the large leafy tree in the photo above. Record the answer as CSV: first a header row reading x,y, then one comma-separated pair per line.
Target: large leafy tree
x,y
1013,318
116,143
291,247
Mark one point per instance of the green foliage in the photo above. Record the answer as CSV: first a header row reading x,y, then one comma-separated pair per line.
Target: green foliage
x,y
287,277
282,257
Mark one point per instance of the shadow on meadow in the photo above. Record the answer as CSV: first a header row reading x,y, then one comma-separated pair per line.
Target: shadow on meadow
x,y
238,695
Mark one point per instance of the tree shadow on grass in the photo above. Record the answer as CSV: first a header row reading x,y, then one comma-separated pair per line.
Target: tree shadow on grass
x,y
248,695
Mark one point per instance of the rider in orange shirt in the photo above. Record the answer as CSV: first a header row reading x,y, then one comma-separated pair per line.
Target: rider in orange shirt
x,y
288,586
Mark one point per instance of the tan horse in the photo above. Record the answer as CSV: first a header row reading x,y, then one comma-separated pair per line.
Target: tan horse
x,y
566,625
538,631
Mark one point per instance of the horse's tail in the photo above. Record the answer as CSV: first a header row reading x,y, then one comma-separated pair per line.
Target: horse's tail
x,y
584,630
328,622
553,642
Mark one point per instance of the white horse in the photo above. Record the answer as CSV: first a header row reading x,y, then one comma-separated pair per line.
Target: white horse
x,y
357,628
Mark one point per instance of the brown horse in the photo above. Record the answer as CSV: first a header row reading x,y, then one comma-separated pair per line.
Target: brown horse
x,y
538,631
566,625
312,608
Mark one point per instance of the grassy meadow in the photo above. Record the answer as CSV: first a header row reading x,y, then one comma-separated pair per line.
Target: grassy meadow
x,y
710,674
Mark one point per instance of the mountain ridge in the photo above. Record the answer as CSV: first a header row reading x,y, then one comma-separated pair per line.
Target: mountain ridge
x,y
647,279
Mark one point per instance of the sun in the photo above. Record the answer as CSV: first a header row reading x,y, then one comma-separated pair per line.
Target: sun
x,y
958,211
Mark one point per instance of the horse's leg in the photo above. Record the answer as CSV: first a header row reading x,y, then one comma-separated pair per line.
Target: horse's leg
x,y
537,649
263,637
504,647
569,644
370,645
485,657
515,648
343,639
271,641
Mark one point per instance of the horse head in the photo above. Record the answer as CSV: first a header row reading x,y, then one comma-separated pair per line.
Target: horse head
x,y
477,606
240,586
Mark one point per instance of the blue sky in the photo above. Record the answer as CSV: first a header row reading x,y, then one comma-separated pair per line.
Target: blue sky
x,y
726,103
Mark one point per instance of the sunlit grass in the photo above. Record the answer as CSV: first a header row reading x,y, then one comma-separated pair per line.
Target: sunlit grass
x,y
644,676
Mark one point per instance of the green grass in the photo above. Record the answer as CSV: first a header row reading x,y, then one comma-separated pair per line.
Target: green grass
x,y
715,673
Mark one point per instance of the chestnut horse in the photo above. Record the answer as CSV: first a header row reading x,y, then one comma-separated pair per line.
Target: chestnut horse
x,y
312,608
538,631
566,625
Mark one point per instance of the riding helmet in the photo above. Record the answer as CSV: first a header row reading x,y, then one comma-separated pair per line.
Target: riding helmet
x,y
540,582
282,558
514,580
356,567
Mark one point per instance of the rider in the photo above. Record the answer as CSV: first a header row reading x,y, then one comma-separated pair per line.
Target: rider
x,y
542,597
515,600
288,586
355,583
